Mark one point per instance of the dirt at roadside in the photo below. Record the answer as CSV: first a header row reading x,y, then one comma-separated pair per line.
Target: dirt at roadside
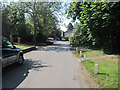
x,y
87,77
89,80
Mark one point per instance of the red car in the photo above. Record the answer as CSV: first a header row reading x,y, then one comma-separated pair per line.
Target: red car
x,y
50,40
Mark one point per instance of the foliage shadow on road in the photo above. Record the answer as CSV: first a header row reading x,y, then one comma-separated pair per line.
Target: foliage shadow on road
x,y
14,75
62,45
55,47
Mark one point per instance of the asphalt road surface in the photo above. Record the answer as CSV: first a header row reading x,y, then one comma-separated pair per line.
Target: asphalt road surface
x,y
52,66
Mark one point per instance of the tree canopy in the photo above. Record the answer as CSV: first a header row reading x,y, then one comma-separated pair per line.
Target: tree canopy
x,y
100,24
70,27
30,20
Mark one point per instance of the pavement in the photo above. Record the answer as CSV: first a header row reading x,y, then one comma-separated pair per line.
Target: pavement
x,y
52,66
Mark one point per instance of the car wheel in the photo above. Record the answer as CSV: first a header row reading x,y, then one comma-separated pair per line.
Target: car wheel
x,y
20,60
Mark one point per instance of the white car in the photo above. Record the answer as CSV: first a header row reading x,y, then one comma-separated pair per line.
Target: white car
x,y
50,40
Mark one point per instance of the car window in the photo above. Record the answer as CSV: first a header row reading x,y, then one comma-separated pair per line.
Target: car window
x,y
6,44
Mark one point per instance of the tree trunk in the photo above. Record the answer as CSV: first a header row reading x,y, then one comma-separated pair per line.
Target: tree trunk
x,y
34,36
35,27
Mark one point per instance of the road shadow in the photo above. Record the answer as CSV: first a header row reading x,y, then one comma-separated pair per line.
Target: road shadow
x,y
102,74
62,45
14,75
55,47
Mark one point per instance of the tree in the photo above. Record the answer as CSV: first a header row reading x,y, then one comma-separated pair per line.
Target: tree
x,y
99,23
31,18
70,27
13,16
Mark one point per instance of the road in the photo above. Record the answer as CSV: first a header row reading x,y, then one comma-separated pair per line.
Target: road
x,y
52,66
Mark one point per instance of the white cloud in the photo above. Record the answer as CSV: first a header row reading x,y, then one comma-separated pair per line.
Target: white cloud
x,y
16,0
64,24
63,28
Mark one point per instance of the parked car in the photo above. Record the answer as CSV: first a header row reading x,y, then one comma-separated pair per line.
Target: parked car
x,y
63,39
58,39
10,54
50,40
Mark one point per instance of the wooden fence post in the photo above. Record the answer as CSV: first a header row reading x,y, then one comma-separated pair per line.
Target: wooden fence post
x,y
96,69
84,57
80,53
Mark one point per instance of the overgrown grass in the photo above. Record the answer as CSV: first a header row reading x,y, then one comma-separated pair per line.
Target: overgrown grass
x,y
107,76
90,52
22,46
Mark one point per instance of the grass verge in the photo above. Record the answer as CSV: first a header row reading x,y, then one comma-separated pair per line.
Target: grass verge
x,y
107,76
90,52
22,46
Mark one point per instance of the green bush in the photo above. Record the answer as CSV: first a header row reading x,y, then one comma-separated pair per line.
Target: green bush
x,y
41,38
71,40
66,38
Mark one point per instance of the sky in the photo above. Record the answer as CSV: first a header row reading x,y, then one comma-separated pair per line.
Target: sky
x,y
65,21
